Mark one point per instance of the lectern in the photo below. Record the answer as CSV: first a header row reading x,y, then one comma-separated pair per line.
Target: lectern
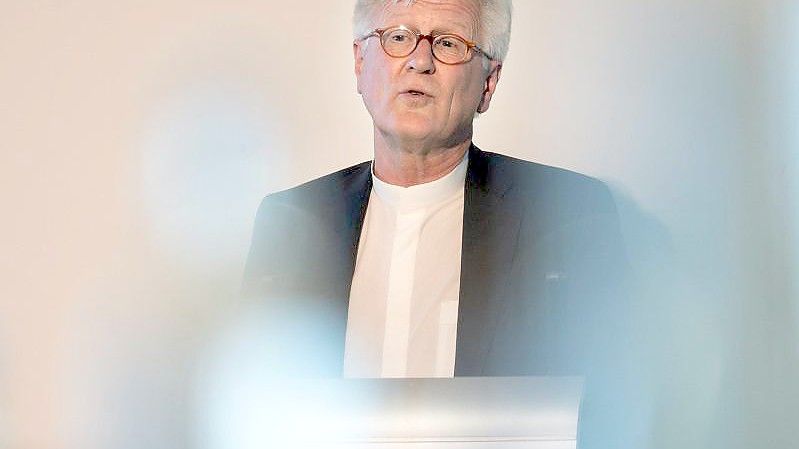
x,y
459,413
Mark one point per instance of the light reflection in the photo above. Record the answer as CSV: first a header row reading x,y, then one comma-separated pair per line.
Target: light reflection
x,y
210,151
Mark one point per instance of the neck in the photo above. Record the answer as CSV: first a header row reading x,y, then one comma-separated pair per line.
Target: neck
x,y
411,164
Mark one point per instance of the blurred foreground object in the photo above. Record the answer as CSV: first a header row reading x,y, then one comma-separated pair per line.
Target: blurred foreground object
x,y
486,413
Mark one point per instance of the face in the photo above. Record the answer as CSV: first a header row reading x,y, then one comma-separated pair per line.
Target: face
x,y
417,99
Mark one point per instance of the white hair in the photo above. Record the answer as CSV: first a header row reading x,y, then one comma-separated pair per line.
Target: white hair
x,y
493,31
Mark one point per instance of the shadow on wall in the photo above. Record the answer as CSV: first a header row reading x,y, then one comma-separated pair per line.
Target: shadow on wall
x,y
678,348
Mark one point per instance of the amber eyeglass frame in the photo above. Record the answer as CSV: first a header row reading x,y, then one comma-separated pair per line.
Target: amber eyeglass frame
x,y
470,46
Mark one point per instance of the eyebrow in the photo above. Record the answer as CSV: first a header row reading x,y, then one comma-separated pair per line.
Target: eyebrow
x,y
436,32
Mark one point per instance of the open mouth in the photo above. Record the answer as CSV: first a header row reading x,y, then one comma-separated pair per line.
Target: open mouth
x,y
416,93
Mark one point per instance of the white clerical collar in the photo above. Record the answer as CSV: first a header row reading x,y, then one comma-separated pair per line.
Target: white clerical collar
x,y
422,195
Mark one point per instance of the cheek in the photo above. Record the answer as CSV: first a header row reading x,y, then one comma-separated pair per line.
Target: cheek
x,y
477,87
468,95
372,83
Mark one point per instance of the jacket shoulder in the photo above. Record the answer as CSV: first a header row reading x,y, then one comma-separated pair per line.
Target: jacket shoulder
x,y
296,227
321,187
565,189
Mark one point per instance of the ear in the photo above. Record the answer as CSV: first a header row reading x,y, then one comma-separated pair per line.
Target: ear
x,y
490,86
357,53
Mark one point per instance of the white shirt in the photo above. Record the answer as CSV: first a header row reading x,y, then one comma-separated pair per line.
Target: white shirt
x,y
403,309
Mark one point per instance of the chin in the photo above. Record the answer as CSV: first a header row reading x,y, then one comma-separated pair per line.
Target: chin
x,y
412,125
412,134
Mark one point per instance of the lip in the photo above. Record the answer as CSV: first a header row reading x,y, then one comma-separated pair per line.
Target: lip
x,y
416,91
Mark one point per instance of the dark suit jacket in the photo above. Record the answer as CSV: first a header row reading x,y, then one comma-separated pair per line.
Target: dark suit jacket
x,y
541,267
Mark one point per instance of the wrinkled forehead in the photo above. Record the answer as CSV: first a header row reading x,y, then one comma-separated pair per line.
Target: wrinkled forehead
x,y
455,16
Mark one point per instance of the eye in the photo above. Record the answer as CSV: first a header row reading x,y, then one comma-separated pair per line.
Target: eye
x,y
452,43
397,36
448,42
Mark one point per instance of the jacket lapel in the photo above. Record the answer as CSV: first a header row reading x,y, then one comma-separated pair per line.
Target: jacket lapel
x,y
355,189
490,231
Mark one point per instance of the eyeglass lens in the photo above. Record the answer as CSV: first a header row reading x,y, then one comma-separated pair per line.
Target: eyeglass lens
x,y
448,49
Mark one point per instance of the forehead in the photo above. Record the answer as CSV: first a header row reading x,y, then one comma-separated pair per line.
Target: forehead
x,y
456,16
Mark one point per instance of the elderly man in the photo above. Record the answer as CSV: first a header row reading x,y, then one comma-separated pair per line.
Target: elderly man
x,y
437,259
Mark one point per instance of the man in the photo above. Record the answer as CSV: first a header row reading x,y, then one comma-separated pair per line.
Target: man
x,y
437,259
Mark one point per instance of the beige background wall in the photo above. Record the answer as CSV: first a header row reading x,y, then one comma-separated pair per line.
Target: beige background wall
x,y
136,139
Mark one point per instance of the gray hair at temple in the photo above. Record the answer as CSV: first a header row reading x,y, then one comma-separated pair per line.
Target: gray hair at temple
x,y
494,27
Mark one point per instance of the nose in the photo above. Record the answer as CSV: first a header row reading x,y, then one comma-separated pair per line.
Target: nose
x,y
421,60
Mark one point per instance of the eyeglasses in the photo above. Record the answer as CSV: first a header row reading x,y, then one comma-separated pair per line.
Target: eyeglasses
x,y
400,41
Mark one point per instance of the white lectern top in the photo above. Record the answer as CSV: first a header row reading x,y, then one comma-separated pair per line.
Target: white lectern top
x,y
459,413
